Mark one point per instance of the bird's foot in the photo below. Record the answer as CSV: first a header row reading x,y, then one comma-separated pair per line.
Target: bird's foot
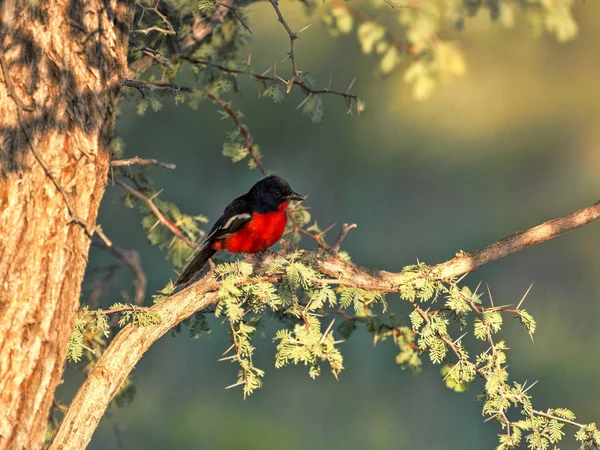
x,y
258,259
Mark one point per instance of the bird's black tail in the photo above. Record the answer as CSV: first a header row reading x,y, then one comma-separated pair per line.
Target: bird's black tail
x,y
197,262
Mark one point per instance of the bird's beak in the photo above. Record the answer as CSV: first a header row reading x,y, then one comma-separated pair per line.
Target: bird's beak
x,y
294,196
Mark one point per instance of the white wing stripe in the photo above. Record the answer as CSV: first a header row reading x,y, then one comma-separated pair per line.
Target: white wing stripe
x,y
234,218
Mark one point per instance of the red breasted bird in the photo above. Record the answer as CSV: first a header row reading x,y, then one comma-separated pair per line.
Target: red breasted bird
x,y
250,224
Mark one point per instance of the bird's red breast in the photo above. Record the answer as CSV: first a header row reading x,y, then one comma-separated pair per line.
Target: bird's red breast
x,y
262,231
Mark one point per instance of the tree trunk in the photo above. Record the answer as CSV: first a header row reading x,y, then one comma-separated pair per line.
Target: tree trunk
x,y
62,61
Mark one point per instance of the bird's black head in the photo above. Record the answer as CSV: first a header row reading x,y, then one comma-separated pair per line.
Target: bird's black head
x,y
272,192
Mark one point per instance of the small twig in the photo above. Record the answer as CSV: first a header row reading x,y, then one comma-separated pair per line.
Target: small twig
x,y
168,31
158,213
338,243
243,130
239,357
131,258
154,54
395,5
317,237
141,161
141,85
202,27
89,230
153,28
276,79
327,331
165,85
559,419
236,15
124,308
293,36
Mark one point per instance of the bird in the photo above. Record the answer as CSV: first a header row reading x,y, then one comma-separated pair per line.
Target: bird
x,y
250,224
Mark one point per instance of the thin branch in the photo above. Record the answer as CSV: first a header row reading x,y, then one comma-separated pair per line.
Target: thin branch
x,y
203,27
559,419
317,237
468,262
141,85
89,229
276,79
243,130
158,213
142,162
124,308
119,359
293,36
167,31
165,85
478,370
130,258
154,54
236,15
129,345
338,243
395,5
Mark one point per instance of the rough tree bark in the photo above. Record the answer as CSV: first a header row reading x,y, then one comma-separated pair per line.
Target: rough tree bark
x,y
62,61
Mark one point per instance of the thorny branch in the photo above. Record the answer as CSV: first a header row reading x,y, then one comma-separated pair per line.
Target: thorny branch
x,y
263,77
203,27
462,360
293,36
296,228
338,242
131,258
158,213
235,14
124,308
154,54
167,31
165,85
129,345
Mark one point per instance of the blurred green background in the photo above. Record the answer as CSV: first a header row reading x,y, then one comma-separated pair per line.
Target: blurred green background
x,y
514,142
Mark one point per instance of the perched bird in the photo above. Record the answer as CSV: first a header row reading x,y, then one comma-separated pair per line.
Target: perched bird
x,y
250,224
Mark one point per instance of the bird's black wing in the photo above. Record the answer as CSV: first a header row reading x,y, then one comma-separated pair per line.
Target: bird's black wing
x,y
235,217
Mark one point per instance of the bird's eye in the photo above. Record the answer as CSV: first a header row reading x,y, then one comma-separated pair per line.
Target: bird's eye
x,y
277,194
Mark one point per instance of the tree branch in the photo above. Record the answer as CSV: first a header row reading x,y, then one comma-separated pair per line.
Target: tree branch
x,y
465,262
142,162
468,262
129,345
338,243
203,27
236,15
154,54
131,258
349,98
293,36
118,360
158,213
168,86
167,31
